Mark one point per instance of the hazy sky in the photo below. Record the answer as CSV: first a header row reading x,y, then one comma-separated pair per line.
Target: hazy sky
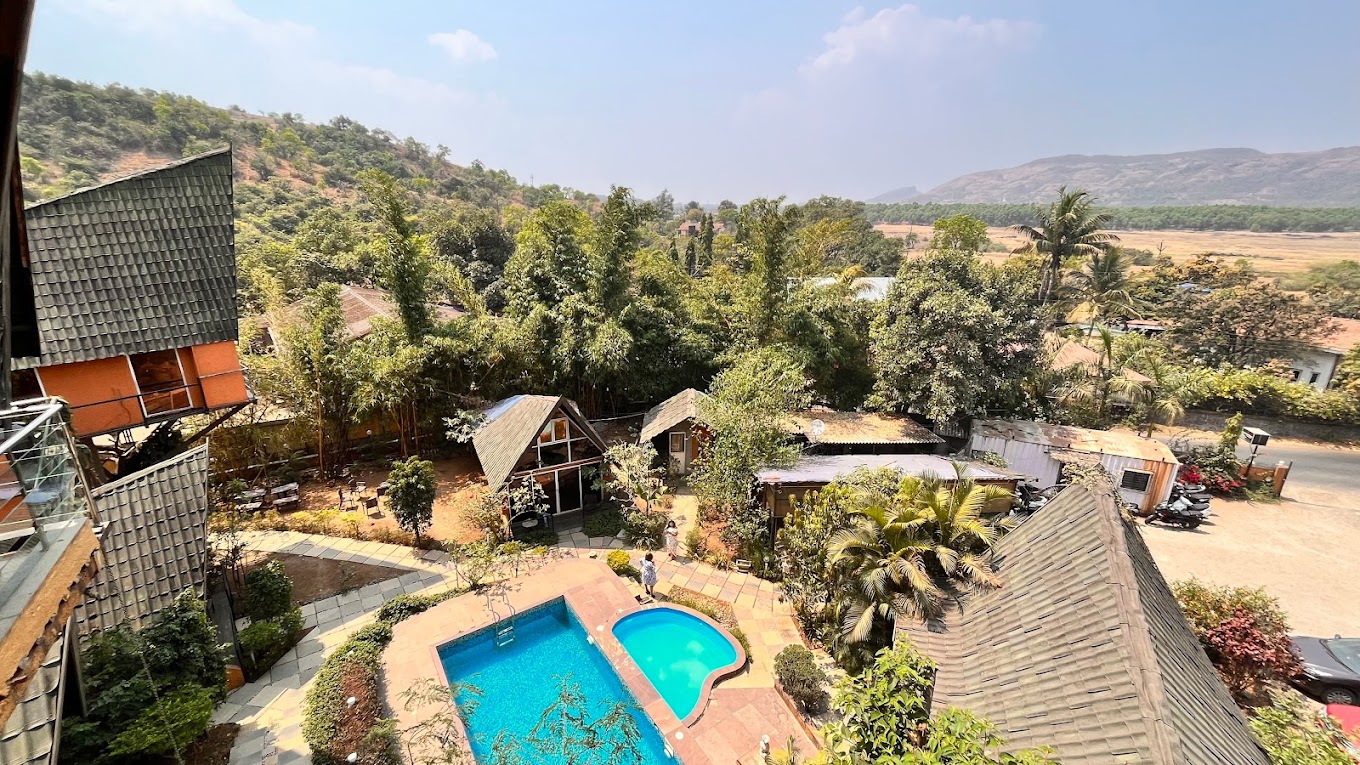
x,y
743,98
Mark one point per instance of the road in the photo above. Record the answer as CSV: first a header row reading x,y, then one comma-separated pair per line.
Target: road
x,y
1321,474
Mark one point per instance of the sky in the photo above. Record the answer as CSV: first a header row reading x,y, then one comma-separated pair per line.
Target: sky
x,y
731,100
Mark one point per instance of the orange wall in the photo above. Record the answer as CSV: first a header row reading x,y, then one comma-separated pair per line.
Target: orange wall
x,y
93,382
219,370
212,373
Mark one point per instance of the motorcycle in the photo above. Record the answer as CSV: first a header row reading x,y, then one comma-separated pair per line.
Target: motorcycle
x,y
1028,499
1177,512
1198,500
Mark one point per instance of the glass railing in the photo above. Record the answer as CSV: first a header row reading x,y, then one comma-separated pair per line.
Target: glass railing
x,y
44,501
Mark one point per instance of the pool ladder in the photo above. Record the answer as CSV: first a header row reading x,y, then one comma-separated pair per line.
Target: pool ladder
x,y
505,633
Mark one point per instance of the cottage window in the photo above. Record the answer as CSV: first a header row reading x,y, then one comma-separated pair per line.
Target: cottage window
x,y
554,430
160,381
1135,480
677,443
1313,378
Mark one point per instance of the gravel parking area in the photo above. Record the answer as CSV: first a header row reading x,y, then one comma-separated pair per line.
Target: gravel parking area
x,y
1307,555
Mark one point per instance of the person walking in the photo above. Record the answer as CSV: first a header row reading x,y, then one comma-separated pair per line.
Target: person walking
x,y
649,575
672,538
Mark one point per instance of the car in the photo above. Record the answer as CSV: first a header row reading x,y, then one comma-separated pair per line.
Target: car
x,y
1331,668
1341,723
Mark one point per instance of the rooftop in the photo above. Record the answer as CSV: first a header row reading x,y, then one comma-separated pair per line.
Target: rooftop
x,y
860,428
825,468
1084,649
361,305
1075,439
1346,337
871,288
150,259
1069,353
671,412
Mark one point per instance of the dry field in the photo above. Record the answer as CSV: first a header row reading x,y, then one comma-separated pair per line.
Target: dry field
x,y
1271,253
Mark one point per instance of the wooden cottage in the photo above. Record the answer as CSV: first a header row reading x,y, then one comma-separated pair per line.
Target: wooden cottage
x,y
544,439
677,429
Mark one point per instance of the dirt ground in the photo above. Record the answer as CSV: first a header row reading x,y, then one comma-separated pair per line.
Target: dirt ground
x,y
214,748
1303,554
1271,253
317,578
458,483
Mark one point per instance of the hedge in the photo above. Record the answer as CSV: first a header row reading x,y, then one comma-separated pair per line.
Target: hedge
x,y
332,728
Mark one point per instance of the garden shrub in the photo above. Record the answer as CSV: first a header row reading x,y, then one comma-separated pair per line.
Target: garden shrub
x,y
645,528
174,666
269,592
390,536
405,606
603,520
259,638
265,641
169,725
537,537
487,514
796,669
883,710
695,543
621,563
332,728
1291,737
1243,630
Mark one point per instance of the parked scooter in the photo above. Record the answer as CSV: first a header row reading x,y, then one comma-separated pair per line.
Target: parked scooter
x,y
1028,499
1178,511
1198,500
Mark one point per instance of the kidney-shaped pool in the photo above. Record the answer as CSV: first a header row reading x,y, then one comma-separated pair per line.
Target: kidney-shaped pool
x,y
682,654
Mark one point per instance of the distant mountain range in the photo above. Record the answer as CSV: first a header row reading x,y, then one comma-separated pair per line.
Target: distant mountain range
x,y
1328,178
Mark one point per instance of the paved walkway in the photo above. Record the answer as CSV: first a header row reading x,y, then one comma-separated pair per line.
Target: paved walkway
x,y
269,710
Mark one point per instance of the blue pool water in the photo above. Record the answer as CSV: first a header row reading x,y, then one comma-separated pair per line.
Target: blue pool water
x,y
521,680
676,651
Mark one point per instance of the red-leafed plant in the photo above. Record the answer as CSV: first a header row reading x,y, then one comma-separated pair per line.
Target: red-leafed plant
x,y
1248,656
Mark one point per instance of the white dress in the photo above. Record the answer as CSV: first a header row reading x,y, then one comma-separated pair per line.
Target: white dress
x,y
672,539
649,573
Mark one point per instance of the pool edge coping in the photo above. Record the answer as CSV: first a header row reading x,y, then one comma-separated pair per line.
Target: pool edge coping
x,y
714,677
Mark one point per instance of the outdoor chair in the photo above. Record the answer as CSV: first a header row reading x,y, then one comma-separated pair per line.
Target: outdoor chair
x,y
371,507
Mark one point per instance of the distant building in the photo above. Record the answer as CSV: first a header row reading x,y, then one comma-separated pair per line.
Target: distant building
x,y
696,228
360,306
1317,364
1143,469
871,288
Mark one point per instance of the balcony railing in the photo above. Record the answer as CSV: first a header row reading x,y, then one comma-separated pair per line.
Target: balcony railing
x,y
44,501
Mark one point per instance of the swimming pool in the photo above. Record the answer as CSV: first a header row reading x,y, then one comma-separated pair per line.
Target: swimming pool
x,y
521,680
678,652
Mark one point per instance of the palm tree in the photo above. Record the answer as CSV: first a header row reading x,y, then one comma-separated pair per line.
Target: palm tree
x,y
908,554
1070,226
1102,287
1109,379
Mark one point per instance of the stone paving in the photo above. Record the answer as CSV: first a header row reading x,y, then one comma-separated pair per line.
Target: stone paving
x,y
269,710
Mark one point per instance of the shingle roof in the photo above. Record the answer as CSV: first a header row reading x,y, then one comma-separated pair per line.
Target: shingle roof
x,y
31,730
156,545
143,263
861,428
511,426
1084,649
671,412
825,468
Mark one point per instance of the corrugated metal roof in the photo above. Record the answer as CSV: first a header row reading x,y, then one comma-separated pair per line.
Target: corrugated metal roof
x,y
29,735
825,468
671,412
513,424
862,428
1084,649
143,263
156,544
1076,439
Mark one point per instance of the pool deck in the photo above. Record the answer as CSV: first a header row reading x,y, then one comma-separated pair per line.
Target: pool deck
x,y
599,598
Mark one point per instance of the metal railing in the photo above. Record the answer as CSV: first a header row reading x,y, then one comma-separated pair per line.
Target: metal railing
x,y
43,496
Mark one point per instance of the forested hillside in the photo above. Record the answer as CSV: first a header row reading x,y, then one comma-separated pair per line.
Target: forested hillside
x,y
1196,218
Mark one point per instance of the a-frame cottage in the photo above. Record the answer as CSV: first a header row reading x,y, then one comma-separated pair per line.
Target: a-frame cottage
x,y
544,439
